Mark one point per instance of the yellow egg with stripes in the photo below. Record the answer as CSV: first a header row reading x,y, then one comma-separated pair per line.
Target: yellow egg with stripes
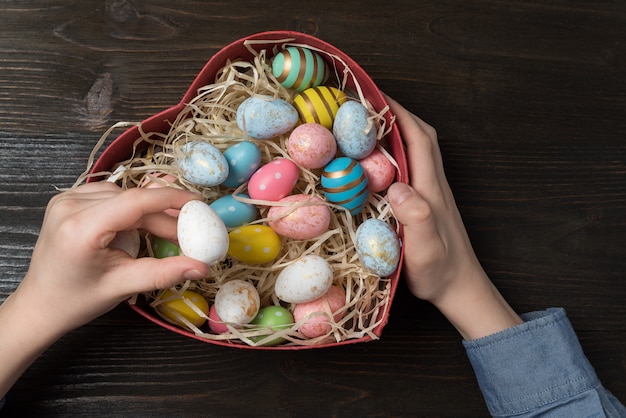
x,y
254,244
319,105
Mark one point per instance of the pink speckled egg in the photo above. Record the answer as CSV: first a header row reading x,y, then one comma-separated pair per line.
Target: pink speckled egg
x,y
312,145
379,170
155,180
215,323
274,180
318,325
304,222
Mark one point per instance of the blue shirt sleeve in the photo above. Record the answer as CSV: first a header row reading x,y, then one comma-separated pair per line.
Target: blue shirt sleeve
x,y
539,368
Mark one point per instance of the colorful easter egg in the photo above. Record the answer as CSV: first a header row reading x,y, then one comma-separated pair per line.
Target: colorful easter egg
x,y
354,132
162,248
304,280
319,311
274,180
176,307
345,184
299,68
237,301
254,244
234,212
202,164
216,325
263,117
243,160
378,247
201,233
379,170
311,145
319,105
276,318
306,217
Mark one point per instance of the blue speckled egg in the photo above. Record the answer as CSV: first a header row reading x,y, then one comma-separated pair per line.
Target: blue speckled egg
x,y
234,212
262,117
202,164
243,160
378,247
355,135
299,68
345,183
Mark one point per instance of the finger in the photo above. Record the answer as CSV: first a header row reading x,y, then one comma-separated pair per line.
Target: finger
x,y
421,235
148,273
421,148
131,208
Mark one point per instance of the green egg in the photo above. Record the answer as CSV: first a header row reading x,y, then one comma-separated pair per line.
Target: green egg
x,y
274,317
163,248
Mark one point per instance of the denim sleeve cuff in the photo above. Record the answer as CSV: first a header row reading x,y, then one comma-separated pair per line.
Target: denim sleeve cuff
x,y
531,365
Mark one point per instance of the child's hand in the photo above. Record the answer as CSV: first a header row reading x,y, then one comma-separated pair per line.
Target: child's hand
x,y
441,266
75,277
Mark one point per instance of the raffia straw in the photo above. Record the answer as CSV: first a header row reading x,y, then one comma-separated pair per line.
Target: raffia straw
x,y
211,117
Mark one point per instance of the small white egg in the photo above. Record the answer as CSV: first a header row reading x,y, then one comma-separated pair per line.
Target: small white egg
x,y
306,279
237,301
201,233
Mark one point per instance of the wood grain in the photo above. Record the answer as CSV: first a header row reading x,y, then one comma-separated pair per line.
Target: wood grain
x,y
528,99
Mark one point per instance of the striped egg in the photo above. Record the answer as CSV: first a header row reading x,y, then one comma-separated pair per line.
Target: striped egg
x,y
299,68
345,184
319,105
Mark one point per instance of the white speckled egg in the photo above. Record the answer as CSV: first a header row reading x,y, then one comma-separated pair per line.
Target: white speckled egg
x,y
202,164
237,301
306,279
128,241
355,135
378,247
263,117
201,233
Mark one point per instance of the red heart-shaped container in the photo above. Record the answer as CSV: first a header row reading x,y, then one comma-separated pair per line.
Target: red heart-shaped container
x,y
122,148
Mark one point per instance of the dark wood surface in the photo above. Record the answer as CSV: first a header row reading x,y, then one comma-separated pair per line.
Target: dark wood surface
x,y
529,101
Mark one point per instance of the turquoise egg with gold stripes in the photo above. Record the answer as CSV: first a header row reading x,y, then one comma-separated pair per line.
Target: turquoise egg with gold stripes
x,y
345,184
299,68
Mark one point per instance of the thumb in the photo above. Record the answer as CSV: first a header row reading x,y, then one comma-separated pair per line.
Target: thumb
x,y
408,205
147,273
416,215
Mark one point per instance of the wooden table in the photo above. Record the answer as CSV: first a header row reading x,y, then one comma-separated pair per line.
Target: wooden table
x,y
529,101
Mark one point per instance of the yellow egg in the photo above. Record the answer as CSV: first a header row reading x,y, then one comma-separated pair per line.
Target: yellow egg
x,y
319,105
254,244
176,306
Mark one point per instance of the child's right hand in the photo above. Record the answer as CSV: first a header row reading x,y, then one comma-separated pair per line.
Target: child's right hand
x,y
441,266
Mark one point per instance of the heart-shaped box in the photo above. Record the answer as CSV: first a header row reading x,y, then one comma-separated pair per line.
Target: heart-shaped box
x,y
130,142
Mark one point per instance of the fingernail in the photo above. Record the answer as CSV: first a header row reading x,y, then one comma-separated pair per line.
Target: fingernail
x,y
398,193
193,275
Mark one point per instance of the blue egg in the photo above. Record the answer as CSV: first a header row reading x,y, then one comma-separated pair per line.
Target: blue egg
x,y
378,247
263,117
345,183
355,135
202,164
243,160
233,212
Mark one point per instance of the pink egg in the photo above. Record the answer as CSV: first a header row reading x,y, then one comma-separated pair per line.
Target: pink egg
x,y
155,180
318,325
312,145
215,323
306,222
379,170
274,180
